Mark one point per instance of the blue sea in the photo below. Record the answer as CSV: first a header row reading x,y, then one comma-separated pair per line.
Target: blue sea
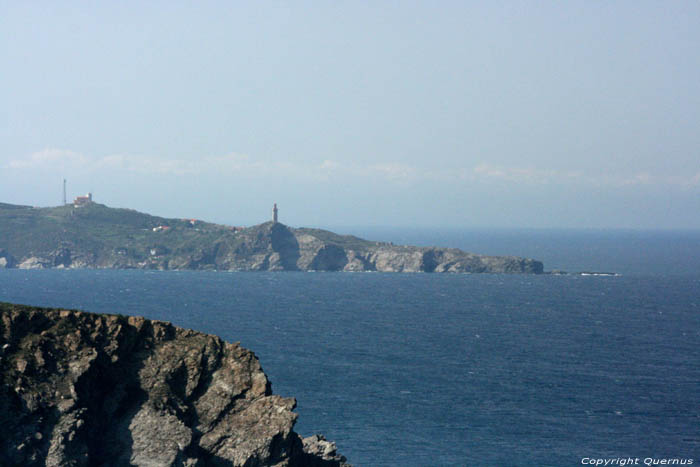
x,y
430,370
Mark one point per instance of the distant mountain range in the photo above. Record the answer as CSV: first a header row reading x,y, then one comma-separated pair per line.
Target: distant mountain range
x,y
96,236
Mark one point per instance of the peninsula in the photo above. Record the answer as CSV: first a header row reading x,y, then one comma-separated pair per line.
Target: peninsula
x,y
87,234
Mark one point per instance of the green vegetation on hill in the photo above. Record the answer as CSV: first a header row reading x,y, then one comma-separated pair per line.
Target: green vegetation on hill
x,y
98,229
97,236
342,241
12,206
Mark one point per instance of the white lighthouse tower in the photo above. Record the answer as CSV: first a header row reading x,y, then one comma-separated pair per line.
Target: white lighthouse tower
x,y
274,213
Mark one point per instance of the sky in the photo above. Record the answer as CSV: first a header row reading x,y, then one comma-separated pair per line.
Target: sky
x,y
464,114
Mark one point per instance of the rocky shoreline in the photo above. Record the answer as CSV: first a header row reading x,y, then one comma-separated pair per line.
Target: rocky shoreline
x,y
96,236
82,389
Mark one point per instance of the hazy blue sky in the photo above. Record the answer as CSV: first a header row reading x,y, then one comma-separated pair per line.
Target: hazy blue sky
x,y
460,114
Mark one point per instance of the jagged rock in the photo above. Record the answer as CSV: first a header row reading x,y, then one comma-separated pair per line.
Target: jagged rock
x,y
322,451
61,258
82,389
358,262
7,261
34,262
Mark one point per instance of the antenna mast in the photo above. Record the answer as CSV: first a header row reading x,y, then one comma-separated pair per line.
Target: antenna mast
x,y
64,192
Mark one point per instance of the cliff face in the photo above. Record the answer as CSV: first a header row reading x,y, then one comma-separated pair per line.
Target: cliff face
x,y
81,389
99,237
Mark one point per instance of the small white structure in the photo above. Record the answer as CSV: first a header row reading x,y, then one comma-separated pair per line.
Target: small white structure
x,y
274,213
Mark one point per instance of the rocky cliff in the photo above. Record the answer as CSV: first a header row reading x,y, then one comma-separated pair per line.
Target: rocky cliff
x,y
96,236
82,389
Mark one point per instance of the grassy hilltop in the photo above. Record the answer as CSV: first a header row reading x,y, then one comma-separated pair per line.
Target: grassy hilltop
x,y
98,229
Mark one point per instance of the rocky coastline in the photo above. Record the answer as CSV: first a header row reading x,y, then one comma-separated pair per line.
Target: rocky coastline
x,y
96,236
82,389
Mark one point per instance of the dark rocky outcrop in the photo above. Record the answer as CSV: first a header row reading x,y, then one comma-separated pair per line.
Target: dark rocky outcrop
x,y
6,259
61,258
82,389
96,236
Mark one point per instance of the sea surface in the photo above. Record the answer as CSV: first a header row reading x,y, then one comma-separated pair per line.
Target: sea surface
x,y
469,369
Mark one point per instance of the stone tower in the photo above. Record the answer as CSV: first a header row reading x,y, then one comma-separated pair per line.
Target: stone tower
x,y
274,213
